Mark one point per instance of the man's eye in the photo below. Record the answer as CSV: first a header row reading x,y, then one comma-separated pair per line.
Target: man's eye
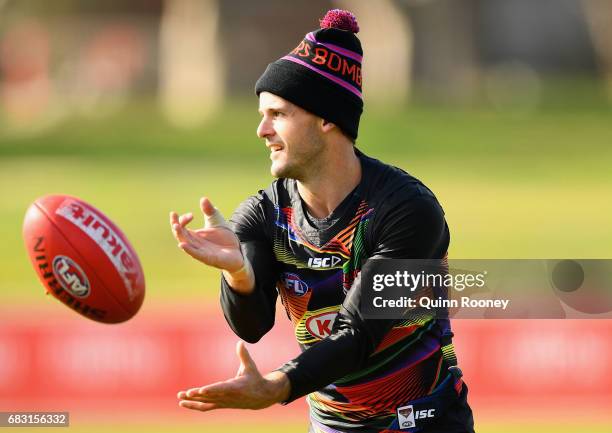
x,y
277,114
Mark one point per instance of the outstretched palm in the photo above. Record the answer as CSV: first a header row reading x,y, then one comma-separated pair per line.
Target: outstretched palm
x,y
215,244
247,390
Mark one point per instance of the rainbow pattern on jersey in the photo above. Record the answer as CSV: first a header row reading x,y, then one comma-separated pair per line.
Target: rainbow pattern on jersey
x,y
406,365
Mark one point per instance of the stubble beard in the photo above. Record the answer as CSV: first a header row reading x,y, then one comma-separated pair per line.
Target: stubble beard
x,y
303,165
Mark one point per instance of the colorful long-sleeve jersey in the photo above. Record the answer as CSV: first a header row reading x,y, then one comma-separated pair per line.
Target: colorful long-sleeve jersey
x,y
361,374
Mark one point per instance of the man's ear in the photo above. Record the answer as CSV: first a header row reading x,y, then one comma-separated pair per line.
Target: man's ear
x,y
327,126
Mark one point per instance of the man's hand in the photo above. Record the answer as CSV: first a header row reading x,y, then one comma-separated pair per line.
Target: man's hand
x,y
214,245
248,390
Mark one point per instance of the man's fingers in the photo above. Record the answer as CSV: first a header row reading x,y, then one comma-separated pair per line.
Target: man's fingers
x,y
192,392
173,218
207,207
207,392
197,405
212,216
200,399
246,362
185,219
179,232
174,224
196,253
178,226
188,236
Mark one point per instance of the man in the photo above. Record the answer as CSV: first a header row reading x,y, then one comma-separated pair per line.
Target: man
x,y
306,237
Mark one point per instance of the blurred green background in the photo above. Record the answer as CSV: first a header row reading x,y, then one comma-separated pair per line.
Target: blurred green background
x,y
511,186
503,111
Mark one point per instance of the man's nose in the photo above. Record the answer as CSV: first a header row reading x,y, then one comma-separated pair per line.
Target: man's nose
x,y
265,128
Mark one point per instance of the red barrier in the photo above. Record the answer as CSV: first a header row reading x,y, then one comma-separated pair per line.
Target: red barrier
x,y
537,369
52,359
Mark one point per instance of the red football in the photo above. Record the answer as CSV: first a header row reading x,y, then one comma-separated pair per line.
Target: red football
x,y
83,259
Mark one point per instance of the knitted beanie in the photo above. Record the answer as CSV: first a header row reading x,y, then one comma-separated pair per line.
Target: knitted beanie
x,y
323,73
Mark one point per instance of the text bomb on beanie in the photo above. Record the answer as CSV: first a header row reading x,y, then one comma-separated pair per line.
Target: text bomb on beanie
x,y
323,73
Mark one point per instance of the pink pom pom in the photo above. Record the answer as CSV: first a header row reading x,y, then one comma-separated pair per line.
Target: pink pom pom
x,y
340,19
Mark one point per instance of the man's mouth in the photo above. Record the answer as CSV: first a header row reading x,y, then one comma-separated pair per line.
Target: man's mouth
x,y
275,147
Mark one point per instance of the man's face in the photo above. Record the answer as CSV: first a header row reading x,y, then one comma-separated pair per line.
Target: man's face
x,y
293,136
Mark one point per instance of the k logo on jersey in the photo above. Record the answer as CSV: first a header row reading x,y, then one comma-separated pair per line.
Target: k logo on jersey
x,y
321,324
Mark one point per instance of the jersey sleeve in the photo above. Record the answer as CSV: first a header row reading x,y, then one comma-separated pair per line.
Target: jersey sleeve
x,y
252,316
413,229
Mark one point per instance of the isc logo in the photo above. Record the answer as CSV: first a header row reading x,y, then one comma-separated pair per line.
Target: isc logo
x,y
324,262
427,413
406,415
